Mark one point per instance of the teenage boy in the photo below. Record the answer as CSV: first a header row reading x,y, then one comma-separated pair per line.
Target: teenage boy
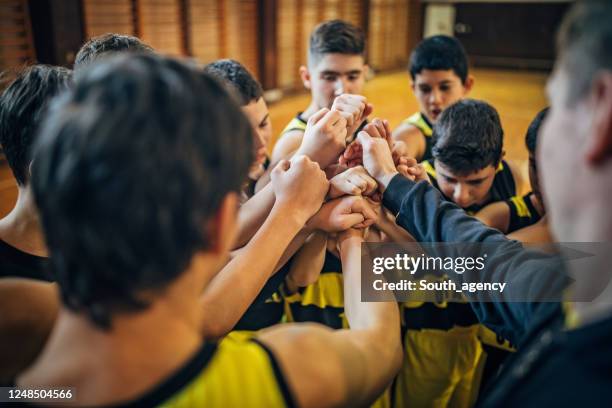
x,y
28,304
439,77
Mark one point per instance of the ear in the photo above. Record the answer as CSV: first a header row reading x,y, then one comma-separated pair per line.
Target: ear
x,y
600,149
469,83
305,76
222,227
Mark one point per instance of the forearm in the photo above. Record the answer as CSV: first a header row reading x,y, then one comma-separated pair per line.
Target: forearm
x,y
374,328
231,292
421,210
381,317
253,213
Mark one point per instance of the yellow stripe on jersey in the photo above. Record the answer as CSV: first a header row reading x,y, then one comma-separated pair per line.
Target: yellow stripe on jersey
x,y
419,122
328,290
431,171
295,124
521,206
240,374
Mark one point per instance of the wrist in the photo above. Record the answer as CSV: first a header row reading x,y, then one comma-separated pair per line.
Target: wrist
x,y
291,215
384,179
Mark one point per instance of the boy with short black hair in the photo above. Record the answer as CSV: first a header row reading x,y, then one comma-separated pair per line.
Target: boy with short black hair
x,y
29,302
468,168
439,74
467,165
522,217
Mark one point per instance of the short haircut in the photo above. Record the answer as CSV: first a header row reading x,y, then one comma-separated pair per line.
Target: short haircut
x,y
238,79
104,45
439,52
128,172
335,37
23,105
468,137
583,45
531,138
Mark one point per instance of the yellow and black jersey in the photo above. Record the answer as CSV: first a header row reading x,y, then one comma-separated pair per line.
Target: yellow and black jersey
x,y
321,301
19,264
267,308
522,212
297,123
420,121
230,374
503,188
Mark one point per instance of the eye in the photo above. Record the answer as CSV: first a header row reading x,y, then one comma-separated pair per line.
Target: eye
x,y
264,124
353,77
475,182
425,89
330,78
445,88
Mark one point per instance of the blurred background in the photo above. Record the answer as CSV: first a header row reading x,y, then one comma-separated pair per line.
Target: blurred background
x,y
510,45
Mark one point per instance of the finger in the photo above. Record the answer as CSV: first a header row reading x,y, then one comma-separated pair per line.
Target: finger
x,y
331,118
349,220
368,110
388,133
372,130
364,139
364,208
318,116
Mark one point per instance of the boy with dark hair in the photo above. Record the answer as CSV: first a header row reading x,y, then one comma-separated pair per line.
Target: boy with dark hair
x,y
522,217
467,165
104,45
22,107
133,268
468,168
27,306
250,94
335,75
439,77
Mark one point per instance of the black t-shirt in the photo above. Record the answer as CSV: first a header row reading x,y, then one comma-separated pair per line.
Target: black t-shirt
x,y
18,264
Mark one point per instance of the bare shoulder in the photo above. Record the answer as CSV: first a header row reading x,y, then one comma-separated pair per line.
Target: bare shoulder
x,y
312,361
519,171
286,145
406,130
412,138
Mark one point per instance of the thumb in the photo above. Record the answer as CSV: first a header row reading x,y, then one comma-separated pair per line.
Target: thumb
x,y
364,138
318,115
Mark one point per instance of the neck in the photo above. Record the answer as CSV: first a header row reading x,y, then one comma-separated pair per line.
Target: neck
x,y
21,227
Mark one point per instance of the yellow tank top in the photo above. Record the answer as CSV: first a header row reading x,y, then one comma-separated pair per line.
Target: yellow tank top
x,y
234,373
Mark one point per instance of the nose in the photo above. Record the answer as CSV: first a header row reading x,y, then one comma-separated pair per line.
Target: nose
x,y
339,87
259,140
461,195
435,96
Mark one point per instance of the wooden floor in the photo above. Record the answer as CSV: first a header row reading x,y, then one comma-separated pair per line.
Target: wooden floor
x,y
517,95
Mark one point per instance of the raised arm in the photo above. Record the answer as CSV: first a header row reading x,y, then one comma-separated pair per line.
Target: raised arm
x,y
299,187
422,211
352,367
